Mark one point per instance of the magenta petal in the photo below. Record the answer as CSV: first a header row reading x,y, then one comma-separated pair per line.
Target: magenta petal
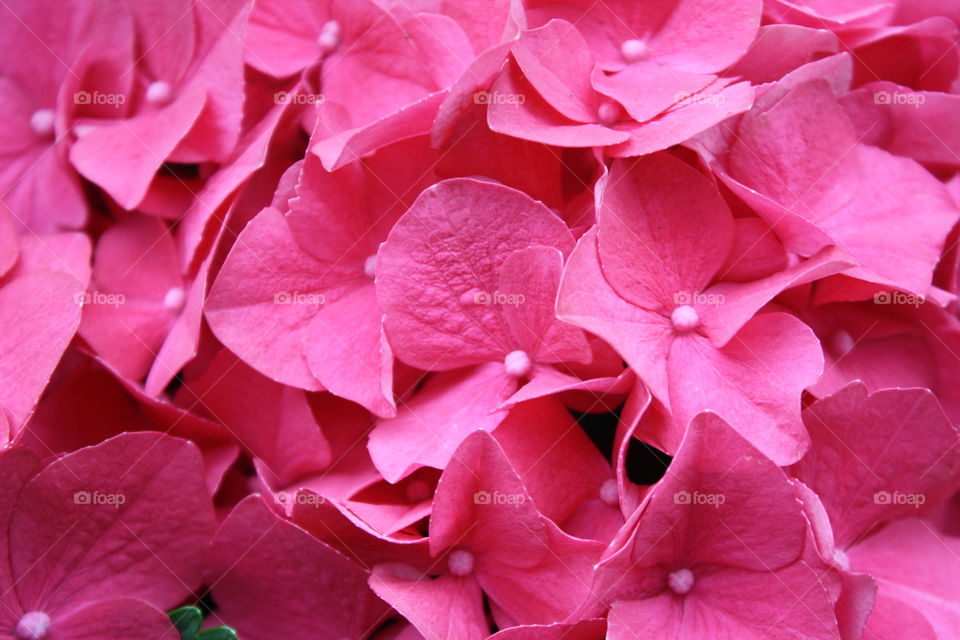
x,y
337,145
449,249
74,515
736,303
690,116
251,308
917,565
320,588
40,313
347,353
535,273
122,158
273,422
116,619
523,113
891,616
555,60
702,519
652,214
586,300
878,484
481,507
560,467
742,383
430,426
282,36
647,89
590,629
136,263
444,607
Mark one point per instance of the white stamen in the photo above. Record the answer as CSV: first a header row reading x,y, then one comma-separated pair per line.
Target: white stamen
x,y
609,493
42,122
609,113
159,92
370,266
634,49
517,363
460,562
680,581
33,625
684,319
330,35
174,298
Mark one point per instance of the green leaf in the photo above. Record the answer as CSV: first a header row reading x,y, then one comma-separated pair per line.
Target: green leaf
x,y
187,620
218,633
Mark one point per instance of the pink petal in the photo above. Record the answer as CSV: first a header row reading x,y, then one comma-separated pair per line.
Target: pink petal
x,y
40,313
347,353
449,248
273,422
521,112
137,293
429,427
265,267
591,629
918,566
117,619
320,588
742,383
878,483
122,494
123,157
646,245
586,300
555,60
444,607
508,539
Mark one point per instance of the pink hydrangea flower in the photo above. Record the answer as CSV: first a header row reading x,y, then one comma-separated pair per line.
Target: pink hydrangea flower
x,y
470,319
64,522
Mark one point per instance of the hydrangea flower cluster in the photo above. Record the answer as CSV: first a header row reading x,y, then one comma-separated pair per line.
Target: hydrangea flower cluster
x,y
457,319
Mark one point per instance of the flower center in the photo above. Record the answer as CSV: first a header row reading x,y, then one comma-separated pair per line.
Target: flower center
x,y
517,363
329,38
460,562
42,122
684,319
634,49
680,581
159,92
370,266
609,113
33,625
174,298
609,493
